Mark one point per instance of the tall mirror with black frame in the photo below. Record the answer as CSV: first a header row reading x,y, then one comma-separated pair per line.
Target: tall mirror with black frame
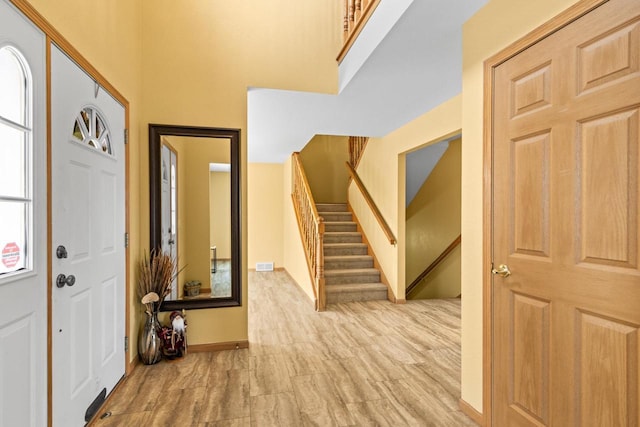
x,y
195,212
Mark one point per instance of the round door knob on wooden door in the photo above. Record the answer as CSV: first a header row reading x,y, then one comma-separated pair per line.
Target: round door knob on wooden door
x,y
62,280
502,270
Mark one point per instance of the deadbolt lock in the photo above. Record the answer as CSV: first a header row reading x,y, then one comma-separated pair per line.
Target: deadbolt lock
x,y
61,252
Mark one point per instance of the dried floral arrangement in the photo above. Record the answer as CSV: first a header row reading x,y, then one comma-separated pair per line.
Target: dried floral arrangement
x,y
156,273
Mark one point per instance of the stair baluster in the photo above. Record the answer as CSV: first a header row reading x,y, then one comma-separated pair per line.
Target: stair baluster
x,y
311,227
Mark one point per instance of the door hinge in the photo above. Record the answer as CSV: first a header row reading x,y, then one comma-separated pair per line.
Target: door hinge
x,y
126,344
126,136
126,240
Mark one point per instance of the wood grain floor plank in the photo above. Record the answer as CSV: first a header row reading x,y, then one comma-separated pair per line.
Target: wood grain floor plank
x,y
372,364
375,413
269,374
238,422
280,409
324,352
139,392
401,350
442,367
178,407
350,387
416,407
132,419
188,372
319,401
227,396
369,363
230,359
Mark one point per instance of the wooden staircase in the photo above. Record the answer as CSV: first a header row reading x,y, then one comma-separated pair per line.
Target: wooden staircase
x,y
348,269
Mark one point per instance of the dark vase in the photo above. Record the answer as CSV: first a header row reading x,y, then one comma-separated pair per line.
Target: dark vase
x,y
149,341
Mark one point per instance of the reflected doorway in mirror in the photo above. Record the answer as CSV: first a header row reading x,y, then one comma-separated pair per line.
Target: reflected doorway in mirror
x,y
169,187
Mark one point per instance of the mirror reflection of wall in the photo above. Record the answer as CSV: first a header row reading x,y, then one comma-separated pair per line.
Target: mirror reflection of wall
x,y
203,213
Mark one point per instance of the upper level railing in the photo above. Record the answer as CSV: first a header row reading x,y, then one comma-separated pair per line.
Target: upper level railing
x,y
357,145
311,226
372,205
356,13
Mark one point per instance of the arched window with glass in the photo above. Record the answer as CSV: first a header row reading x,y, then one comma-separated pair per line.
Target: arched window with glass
x,y
16,203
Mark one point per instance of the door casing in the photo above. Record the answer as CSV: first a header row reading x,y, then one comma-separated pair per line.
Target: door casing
x,y
563,19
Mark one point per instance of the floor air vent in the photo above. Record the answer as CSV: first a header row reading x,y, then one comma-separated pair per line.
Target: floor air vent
x,y
264,266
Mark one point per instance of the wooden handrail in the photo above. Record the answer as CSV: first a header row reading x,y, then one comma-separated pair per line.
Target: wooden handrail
x,y
356,13
311,226
372,205
434,264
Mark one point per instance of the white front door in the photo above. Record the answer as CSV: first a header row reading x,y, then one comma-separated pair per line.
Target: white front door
x,y
88,242
23,222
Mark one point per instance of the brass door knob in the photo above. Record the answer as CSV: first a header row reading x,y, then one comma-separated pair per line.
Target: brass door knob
x,y
502,270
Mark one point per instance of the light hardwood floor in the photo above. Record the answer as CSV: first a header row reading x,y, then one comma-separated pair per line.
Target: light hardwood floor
x,y
361,363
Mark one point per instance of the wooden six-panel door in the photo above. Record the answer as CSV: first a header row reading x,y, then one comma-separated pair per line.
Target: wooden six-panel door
x,y
565,221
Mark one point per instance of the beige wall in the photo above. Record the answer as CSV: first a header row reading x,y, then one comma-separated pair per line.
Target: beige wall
x,y
432,223
382,170
198,62
220,213
323,159
266,213
493,28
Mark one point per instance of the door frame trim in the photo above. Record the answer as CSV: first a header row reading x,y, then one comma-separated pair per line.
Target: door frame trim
x,y
563,19
54,36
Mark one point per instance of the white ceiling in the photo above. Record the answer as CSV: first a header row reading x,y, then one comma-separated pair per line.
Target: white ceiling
x,y
406,61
